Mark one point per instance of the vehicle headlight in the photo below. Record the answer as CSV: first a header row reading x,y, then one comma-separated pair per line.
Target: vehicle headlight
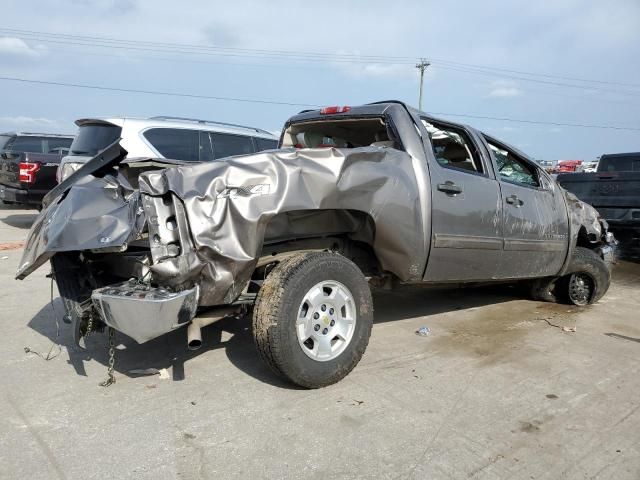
x,y
66,170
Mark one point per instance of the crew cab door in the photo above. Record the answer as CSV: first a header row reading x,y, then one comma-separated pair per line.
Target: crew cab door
x,y
466,217
534,218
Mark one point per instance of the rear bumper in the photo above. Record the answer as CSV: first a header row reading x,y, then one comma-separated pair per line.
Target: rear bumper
x,y
144,312
21,196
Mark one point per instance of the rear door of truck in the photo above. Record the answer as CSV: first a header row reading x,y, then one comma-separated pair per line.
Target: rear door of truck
x,y
466,238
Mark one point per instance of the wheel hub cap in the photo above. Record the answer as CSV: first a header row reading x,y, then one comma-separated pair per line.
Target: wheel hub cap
x,y
326,320
580,289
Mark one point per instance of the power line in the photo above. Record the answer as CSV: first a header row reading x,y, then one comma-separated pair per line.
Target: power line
x,y
274,102
536,122
522,72
336,60
109,42
289,66
155,92
545,82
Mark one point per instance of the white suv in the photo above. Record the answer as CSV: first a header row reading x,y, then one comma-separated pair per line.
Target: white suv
x,y
164,137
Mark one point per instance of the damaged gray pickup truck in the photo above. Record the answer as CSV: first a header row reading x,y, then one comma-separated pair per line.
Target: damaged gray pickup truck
x,y
379,194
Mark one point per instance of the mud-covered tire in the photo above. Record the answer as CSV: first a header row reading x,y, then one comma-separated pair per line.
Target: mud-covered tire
x,y
278,306
589,265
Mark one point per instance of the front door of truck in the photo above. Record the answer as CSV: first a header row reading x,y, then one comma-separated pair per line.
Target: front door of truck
x,y
534,218
466,218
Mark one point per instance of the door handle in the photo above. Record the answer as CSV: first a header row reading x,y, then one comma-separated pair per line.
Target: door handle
x,y
514,200
449,188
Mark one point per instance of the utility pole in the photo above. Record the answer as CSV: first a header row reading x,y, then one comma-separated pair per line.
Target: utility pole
x,y
422,66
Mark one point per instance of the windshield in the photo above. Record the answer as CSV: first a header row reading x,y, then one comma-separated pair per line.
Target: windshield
x,y
94,137
620,163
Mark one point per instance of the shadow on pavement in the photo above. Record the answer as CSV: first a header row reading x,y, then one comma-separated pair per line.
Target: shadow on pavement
x,y
418,301
622,337
22,220
170,351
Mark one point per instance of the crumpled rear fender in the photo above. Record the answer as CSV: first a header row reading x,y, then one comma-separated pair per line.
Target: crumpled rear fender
x,y
96,213
207,222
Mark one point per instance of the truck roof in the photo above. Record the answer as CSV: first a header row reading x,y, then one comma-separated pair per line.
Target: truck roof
x,y
375,108
615,155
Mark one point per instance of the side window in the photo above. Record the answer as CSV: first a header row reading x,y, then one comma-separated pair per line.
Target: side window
x,y
226,145
514,169
175,143
59,145
265,144
453,148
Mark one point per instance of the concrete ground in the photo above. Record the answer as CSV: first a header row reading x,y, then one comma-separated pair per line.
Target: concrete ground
x,y
498,390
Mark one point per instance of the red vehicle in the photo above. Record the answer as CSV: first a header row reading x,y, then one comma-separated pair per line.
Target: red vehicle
x,y
569,166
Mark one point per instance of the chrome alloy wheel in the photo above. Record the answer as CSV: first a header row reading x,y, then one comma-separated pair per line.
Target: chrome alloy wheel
x,y
326,320
580,288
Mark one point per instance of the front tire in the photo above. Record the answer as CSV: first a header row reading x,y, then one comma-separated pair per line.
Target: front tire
x,y
587,280
313,318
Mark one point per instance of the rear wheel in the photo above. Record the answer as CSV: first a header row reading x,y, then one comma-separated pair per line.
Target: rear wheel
x,y
312,318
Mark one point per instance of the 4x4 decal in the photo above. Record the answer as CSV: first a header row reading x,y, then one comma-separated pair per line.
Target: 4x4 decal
x,y
244,191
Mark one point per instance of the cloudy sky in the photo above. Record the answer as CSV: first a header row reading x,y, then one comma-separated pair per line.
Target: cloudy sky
x,y
557,62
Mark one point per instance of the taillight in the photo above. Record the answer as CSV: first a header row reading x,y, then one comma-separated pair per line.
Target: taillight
x,y
332,110
28,171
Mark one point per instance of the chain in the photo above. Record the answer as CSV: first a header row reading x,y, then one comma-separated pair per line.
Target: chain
x,y
111,379
89,326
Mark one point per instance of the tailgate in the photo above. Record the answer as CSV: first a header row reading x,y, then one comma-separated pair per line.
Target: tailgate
x,y
9,169
605,189
44,178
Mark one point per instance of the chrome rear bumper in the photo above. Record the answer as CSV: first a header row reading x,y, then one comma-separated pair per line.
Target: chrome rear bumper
x,y
144,312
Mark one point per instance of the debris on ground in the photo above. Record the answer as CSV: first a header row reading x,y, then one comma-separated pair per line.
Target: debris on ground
x,y
423,331
141,372
48,356
561,327
144,371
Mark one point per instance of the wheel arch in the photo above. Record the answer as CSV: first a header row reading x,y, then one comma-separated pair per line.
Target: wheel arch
x,y
349,232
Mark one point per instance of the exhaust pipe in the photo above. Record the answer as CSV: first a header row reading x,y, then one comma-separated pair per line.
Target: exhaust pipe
x,y
194,336
194,329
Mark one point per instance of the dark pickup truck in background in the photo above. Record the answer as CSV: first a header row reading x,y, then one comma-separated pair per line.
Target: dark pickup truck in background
x,y
28,164
614,190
